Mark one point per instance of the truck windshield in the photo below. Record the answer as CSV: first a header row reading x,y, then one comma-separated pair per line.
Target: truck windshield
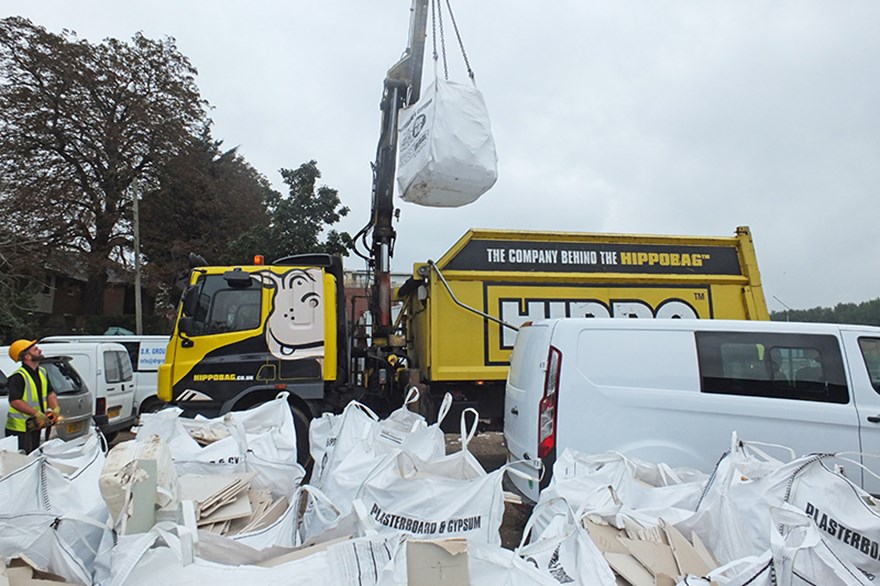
x,y
226,309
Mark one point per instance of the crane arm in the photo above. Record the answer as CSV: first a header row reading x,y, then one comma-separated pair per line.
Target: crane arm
x,y
402,87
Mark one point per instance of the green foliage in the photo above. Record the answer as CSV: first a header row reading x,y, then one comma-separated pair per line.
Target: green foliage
x,y
19,282
80,124
206,199
298,221
865,313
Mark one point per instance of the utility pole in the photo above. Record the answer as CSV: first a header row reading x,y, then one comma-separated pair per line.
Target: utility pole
x,y
138,318
787,308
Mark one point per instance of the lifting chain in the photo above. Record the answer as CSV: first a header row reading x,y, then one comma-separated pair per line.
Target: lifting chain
x,y
437,17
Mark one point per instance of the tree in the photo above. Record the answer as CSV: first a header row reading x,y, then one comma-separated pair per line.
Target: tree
x,y
206,199
865,313
297,222
79,125
18,284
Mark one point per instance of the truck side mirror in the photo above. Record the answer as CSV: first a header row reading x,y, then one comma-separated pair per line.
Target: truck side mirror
x,y
191,302
184,326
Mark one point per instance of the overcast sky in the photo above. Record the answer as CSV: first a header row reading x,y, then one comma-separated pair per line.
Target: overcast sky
x,y
661,117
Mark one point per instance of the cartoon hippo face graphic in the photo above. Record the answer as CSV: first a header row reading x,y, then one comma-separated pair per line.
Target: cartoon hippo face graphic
x,y
295,328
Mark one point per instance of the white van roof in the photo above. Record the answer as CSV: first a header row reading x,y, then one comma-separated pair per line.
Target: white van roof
x,y
60,346
705,325
104,338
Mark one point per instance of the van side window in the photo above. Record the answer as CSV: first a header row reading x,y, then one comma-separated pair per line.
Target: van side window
x,y
871,353
803,367
117,366
112,373
133,349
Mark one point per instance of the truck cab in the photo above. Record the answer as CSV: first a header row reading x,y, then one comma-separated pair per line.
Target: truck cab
x,y
245,332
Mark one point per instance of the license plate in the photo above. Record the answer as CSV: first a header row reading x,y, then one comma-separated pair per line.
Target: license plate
x,y
75,427
113,412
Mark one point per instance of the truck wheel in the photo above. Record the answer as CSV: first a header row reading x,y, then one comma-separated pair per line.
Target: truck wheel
x,y
152,405
427,408
301,424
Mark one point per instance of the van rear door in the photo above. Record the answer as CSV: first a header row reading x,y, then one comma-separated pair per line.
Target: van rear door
x,y
863,358
119,379
525,388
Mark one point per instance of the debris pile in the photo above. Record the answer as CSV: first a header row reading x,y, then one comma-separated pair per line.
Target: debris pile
x,y
386,506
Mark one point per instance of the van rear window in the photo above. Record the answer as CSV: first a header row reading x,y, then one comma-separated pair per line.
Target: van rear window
x,y
871,353
804,367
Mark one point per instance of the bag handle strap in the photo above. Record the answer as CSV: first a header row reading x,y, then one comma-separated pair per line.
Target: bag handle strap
x,y
412,395
844,457
468,434
445,406
316,497
746,561
358,405
511,469
753,447
530,524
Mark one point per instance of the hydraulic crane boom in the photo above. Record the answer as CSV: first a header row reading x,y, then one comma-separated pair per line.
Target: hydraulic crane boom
x,y
402,87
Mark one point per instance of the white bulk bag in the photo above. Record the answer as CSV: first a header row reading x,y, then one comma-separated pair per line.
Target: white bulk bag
x,y
613,486
321,520
357,421
51,511
733,516
451,496
165,555
352,445
564,550
260,440
799,554
446,153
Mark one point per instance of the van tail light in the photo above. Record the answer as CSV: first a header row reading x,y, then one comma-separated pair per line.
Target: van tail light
x,y
101,406
547,406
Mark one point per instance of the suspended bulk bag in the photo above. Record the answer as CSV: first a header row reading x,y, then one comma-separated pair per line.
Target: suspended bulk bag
x,y
446,151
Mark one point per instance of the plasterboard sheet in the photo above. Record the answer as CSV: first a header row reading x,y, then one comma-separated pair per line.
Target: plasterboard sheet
x,y
271,515
657,557
240,507
628,567
605,537
687,560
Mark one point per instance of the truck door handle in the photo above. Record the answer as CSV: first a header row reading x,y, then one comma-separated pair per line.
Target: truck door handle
x,y
515,411
874,418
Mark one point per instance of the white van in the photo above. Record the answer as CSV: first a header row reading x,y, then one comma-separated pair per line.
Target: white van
x,y
106,369
673,391
146,353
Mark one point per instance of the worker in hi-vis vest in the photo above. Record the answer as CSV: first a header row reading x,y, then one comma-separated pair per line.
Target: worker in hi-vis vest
x,y
33,405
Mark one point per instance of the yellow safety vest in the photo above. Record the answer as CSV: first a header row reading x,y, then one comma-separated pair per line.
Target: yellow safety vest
x,y
15,420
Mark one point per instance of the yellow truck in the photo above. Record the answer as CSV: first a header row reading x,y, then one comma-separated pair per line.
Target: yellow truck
x,y
245,333
461,312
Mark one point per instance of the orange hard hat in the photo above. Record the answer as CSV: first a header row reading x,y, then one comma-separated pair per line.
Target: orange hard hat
x,y
19,347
